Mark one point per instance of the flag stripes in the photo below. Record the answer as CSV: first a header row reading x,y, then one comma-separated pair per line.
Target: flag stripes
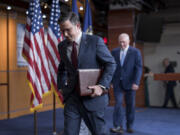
x,y
35,52
54,37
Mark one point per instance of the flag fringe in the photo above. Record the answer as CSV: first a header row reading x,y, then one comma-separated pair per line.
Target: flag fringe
x,y
32,109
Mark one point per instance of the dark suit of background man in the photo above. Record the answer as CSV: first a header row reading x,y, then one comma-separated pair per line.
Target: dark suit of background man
x,y
169,95
125,81
92,54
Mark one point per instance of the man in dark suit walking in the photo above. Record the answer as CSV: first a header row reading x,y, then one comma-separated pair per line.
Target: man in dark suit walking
x,y
125,81
81,51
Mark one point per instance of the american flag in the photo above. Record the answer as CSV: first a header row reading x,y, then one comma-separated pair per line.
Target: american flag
x,y
54,38
35,52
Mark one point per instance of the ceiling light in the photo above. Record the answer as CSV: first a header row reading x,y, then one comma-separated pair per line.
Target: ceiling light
x,y
44,16
81,8
45,5
8,7
66,0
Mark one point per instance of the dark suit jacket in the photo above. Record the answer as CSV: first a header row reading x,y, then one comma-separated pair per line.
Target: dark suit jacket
x,y
131,70
170,69
93,54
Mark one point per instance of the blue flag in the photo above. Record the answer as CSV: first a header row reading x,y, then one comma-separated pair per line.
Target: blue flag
x,y
74,7
87,19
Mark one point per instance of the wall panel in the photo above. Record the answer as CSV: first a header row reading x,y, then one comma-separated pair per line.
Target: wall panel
x,y
3,67
3,102
3,42
3,49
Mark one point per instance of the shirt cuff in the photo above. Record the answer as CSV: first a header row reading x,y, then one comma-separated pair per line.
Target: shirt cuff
x,y
104,88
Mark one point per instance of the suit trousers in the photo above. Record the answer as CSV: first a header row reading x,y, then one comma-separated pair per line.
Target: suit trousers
x,y
119,111
74,111
170,95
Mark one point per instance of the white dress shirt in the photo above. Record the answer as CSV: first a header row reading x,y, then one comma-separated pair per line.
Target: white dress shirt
x,y
125,52
69,48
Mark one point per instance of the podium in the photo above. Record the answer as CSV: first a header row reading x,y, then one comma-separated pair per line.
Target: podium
x,y
167,76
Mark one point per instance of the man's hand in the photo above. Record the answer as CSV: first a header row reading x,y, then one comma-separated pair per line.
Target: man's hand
x,y
97,90
111,86
135,87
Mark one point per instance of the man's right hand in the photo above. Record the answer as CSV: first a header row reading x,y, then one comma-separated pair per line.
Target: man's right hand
x,y
97,90
135,87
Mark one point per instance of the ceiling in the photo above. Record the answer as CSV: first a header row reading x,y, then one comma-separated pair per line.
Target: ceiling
x,y
99,9
168,9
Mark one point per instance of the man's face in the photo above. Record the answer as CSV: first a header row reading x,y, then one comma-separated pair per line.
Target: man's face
x,y
166,62
123,42
69,30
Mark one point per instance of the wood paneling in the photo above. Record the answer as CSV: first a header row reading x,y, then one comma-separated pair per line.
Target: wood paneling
x,y
119,21
3,102
3,77
167,76
3,49
12,45
3,43
120,18
122,21
3,67
19,91
20,96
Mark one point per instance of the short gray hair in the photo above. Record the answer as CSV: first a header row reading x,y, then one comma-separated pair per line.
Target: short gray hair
x,y
124,35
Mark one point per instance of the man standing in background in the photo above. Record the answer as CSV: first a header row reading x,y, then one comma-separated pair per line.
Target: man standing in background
x,y
169,95
125,81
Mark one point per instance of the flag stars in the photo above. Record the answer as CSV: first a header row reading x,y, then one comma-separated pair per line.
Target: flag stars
x,y
35,16
55,14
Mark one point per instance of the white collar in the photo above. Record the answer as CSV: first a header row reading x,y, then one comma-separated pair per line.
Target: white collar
x,y
126,49
78,39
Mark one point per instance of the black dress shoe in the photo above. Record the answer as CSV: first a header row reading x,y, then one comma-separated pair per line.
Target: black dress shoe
x,y
130,130
117,130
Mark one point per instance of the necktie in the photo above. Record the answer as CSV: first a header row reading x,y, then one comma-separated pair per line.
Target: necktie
x,y
74,55
122,58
